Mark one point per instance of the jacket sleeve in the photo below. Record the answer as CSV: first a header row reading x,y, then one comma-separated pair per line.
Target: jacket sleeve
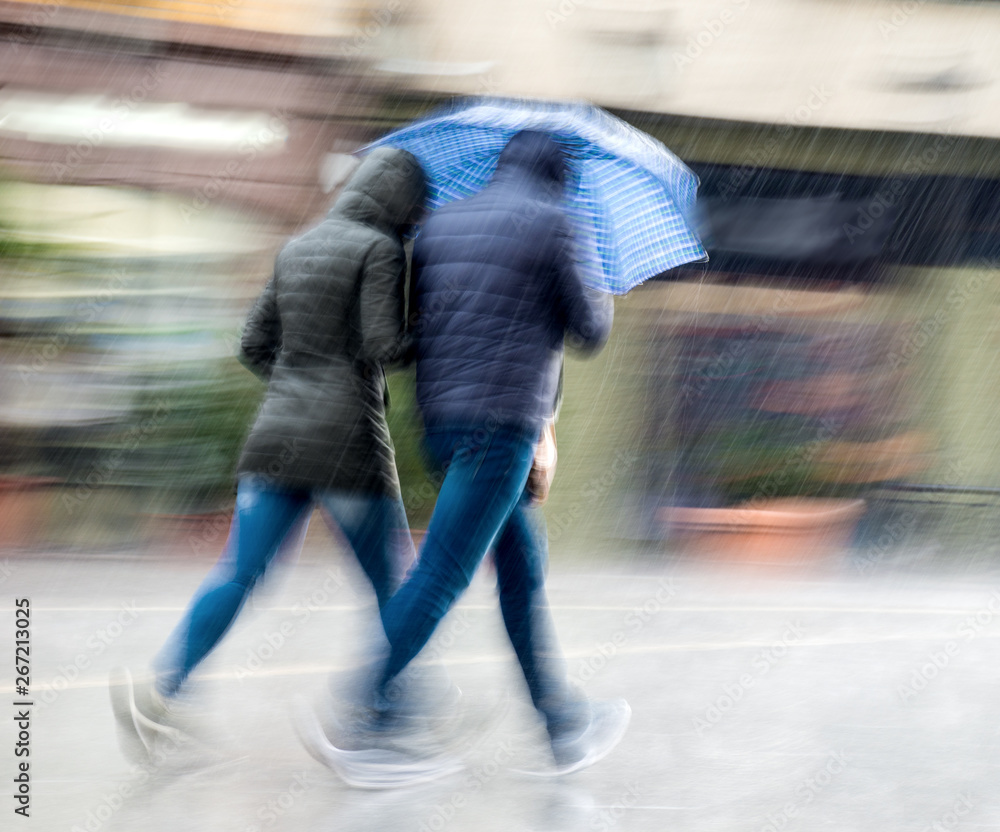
x,y
261,340
586,314
383,303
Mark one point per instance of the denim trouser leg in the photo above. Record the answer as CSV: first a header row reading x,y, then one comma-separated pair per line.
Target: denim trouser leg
x,y
262,519
486,474
521,552
377,530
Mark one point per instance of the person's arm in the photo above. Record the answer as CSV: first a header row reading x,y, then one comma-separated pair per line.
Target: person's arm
x,y
383,303
261,341
585,313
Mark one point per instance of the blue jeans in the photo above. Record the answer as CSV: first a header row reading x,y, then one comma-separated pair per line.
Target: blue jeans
x,y
264,518
482,502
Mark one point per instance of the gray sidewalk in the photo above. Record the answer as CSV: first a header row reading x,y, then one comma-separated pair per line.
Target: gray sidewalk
x,y
761,701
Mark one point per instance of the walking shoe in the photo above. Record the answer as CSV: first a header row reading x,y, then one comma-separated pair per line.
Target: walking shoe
x,y
459,723
579,749
422,690
149,727
377,758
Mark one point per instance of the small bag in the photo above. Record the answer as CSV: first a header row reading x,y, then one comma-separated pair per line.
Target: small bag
x,y
543,469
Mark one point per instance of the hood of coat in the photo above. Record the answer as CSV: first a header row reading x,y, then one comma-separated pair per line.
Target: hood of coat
x,y
387,190
534,156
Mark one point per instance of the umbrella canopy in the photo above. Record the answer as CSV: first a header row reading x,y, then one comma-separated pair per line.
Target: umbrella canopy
x,y
630,200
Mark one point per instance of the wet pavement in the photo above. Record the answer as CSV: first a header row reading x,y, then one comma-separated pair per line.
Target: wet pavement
x,y
762,700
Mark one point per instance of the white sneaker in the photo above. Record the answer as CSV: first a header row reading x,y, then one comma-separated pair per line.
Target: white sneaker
x,y
576,750
152,729
376,762
608,724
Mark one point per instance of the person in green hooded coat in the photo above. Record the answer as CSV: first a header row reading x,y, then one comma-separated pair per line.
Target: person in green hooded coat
x,y
329,320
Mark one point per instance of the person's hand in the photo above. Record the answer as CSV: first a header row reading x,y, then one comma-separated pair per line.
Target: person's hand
x,y
543,469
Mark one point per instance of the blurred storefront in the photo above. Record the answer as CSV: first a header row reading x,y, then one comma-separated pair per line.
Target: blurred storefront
x,y
156,155
152,158
849,156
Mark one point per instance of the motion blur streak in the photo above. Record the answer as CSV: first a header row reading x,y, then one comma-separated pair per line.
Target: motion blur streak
x,y
808,422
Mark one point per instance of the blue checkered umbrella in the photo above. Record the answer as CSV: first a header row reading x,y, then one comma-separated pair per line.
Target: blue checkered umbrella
x,y
630,200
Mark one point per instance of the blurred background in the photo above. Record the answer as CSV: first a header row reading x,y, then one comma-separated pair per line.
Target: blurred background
x,y
829,376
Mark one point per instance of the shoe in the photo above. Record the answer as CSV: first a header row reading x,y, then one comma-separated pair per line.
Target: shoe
x,y
149,729
425,702
577,749
580,749
122,694
424,691
378,759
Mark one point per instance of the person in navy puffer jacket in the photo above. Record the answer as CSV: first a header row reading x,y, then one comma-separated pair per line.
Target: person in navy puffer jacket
x,y
496,292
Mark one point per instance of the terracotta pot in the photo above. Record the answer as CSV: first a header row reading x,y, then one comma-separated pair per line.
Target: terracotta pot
x,y
783,531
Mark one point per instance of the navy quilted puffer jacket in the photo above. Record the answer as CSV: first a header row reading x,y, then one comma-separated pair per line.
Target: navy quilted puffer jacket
x,y
496,292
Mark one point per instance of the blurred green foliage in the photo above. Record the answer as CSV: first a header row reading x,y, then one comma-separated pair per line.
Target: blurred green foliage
x,y
196,426
405,427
